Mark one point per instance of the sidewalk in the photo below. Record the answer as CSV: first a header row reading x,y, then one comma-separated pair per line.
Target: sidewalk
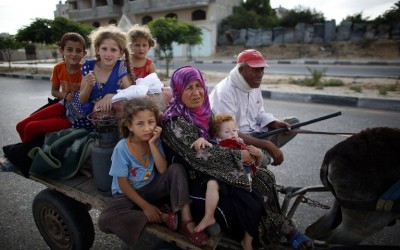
x,y
306,61
286,95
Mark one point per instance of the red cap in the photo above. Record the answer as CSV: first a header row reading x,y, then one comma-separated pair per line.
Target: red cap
x,y
253,58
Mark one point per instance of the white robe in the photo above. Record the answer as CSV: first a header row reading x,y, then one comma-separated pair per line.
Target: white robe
x,y
234,96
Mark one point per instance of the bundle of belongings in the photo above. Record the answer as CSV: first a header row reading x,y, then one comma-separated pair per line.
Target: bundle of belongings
x,y
62,154
150,86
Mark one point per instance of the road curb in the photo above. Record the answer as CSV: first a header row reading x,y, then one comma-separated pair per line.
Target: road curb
x,y
349,101
360,102
307,62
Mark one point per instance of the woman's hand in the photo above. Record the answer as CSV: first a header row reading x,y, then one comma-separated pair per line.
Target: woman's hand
x,y
156,134
247,157
254,151
257,153
200,144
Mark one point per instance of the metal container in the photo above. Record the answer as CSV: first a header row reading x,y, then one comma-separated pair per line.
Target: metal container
x,y
102,149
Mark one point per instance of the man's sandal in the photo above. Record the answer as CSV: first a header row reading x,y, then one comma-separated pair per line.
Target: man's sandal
x,y
198,239
299,239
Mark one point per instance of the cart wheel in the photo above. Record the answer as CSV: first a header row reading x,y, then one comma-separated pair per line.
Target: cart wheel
x,y
63,222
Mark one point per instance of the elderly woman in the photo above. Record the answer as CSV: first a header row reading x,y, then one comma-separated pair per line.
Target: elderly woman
x,y
242,206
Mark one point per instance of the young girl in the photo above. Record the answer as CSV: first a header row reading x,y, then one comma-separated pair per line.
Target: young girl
x,y
140,42
66,79
141,177
103,76
224,130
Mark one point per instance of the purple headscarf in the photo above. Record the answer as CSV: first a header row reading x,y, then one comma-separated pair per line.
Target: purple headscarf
x,y
200,116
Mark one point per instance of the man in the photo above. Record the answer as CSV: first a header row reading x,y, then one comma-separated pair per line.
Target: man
x,y
239,94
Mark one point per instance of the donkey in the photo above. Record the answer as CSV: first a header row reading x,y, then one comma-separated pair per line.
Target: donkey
x,y
363,173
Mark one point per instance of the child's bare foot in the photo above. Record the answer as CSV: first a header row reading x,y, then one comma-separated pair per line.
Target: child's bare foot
x,y
204,223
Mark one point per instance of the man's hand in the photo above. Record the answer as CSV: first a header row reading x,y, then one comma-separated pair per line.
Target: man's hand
x,y
275,153
279,124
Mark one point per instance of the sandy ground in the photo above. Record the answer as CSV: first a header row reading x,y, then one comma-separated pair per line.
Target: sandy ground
x,y
369,87
373,50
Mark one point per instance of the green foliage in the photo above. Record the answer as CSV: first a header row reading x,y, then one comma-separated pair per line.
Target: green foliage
x,y
301,14
357,18
316,80
189,34
261,7
316,75
60,25
384,89
357,89
50,31
240,19
8,45
39,31
255,14
168,30
390,16
333,83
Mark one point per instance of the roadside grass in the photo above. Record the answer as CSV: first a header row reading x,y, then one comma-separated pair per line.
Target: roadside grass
x,y
316,80
384,89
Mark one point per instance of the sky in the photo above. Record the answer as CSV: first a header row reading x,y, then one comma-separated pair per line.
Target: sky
x,y
14,14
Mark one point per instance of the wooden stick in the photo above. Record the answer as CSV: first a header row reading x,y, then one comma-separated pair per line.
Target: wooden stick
x,y
297,125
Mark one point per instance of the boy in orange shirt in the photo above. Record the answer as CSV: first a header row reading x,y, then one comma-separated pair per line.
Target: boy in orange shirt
x,y
65,79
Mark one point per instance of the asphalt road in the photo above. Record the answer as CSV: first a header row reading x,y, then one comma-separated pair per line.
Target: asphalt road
x,y
303,157
295,67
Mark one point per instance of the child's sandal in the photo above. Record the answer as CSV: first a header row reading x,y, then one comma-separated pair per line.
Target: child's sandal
x,y
171,221
198,239
298,239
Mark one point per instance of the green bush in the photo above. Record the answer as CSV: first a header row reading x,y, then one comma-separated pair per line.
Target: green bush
x,y
316,80
357,89
384,89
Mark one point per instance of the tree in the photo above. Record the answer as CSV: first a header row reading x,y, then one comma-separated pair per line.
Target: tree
x,y
50,31
240,19
169,30
357,18
190,35
8,45
390,16
261,7
60,25
301,14
39,31
253,14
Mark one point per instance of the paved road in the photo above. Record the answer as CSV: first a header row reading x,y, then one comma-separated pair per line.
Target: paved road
x,y
303,156
288,67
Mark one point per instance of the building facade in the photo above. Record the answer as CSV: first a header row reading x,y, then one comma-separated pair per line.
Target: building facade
x,y
206,14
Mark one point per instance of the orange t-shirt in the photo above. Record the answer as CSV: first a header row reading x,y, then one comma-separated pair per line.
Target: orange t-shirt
x,y
68,82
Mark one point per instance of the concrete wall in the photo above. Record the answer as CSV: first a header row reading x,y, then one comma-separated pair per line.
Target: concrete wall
x,y
310,33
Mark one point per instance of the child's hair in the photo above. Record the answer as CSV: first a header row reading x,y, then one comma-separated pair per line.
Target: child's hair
x,y
111,31
132,108
72,36
216,122
140,31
